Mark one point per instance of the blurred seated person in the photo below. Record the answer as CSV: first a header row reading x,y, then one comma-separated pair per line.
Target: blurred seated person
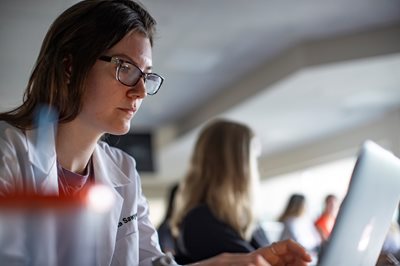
x,y
165,237
214,211
386,259
390,253
297,225
324,223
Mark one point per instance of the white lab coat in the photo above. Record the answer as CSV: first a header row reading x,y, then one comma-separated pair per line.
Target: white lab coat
x,y
22,165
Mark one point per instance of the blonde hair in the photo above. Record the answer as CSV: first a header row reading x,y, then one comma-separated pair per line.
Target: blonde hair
x,y
220,176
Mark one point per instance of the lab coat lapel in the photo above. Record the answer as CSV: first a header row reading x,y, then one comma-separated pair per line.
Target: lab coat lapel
x,y
107,173
43,176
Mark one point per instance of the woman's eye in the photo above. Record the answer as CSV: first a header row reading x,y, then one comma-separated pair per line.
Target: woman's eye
x,y
125,67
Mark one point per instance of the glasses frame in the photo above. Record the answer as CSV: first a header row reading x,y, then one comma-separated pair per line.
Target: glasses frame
x,y
118,61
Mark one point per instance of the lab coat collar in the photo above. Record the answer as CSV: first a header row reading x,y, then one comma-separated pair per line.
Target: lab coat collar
x,y
108,173
43,161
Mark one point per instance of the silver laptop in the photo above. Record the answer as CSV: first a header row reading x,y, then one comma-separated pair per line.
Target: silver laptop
x,y
367,210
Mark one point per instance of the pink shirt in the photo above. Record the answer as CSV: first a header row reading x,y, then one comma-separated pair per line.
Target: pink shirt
x,y
70,183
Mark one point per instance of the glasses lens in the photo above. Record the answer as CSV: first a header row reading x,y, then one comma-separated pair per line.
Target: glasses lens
x,y
129,74
153,83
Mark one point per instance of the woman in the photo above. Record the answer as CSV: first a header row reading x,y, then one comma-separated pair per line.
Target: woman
x,y
325,222
215,204
298,226
94,68
166,239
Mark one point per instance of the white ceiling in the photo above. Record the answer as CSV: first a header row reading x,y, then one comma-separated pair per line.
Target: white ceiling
x,y
295,71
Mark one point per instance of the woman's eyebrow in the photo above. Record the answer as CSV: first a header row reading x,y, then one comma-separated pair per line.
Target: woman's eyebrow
x,y
130,60
126,58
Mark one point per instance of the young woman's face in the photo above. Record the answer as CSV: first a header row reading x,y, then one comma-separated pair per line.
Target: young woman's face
x,y
109,106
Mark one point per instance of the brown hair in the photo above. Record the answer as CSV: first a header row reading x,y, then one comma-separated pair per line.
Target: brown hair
x,y
73,43
295,207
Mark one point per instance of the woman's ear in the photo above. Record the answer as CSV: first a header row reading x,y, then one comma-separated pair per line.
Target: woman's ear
x,y
67,62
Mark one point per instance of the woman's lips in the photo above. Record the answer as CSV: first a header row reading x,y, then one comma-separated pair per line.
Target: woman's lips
x,y
129,111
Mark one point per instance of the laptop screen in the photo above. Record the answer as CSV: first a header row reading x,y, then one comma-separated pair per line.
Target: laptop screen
x,y
366,212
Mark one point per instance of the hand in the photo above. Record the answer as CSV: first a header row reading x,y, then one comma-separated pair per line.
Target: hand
x,y
238,259
286,252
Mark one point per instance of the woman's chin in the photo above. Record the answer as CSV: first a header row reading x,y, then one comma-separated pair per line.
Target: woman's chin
x,y
120,130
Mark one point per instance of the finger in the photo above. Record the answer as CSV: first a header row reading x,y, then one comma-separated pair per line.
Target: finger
x,y
291,247
297,262
276,254
237,260
270,254
289,258
260,261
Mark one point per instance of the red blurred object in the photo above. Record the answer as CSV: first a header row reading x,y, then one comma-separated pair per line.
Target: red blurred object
x,y
41,201
47,230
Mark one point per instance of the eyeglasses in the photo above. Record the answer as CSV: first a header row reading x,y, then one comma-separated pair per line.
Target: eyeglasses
x,y
129,74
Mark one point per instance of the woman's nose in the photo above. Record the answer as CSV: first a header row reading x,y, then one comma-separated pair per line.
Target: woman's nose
x,y
138,91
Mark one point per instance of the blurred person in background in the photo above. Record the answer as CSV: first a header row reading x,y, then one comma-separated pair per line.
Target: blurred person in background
x,y
390,253
166,239
325,222
297,225
215,201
